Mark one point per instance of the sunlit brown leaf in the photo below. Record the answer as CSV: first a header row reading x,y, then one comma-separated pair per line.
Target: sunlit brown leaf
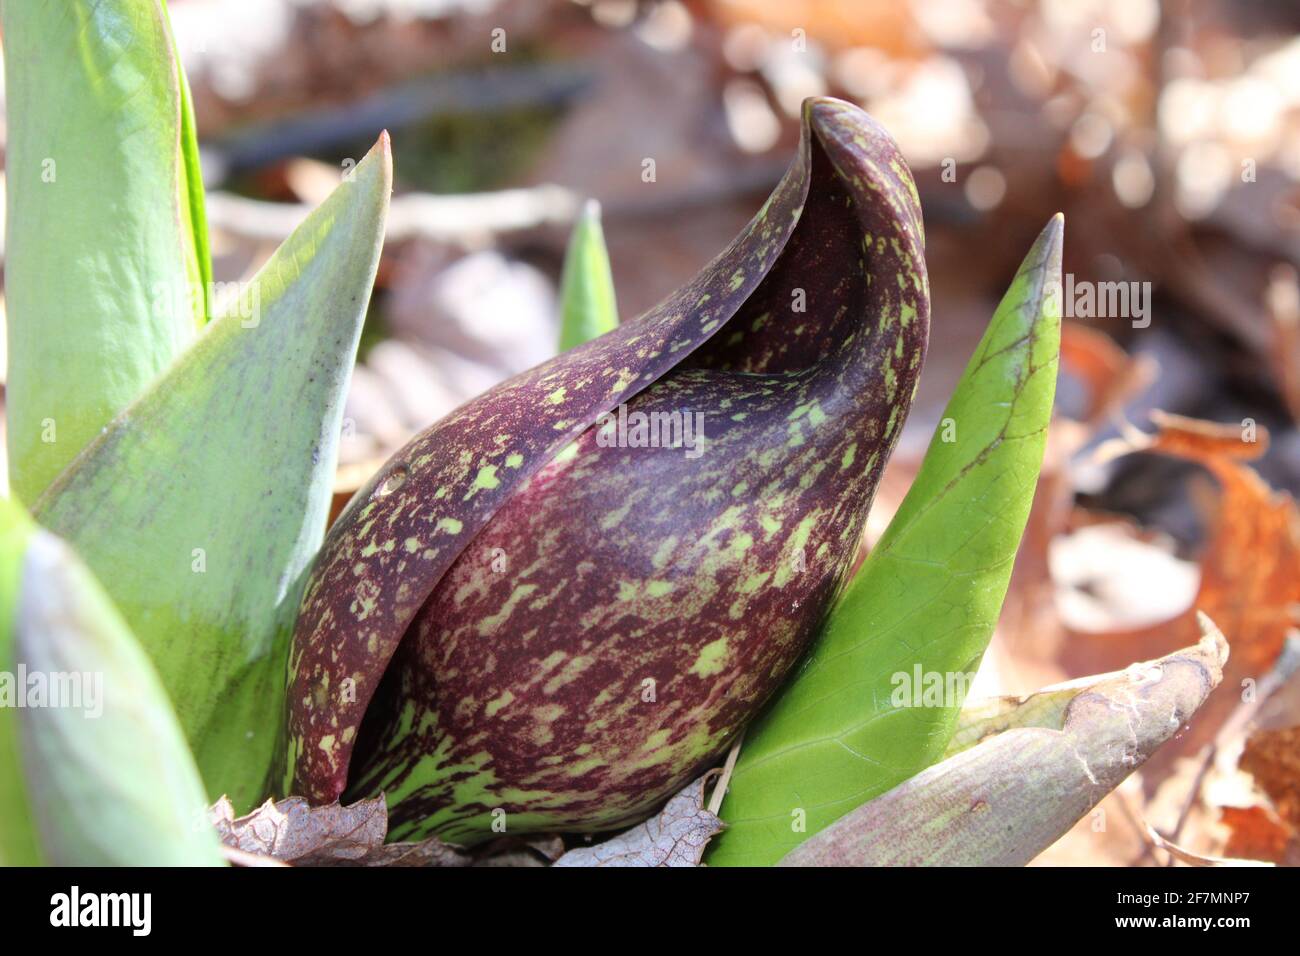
x,y
1272,757
1255,833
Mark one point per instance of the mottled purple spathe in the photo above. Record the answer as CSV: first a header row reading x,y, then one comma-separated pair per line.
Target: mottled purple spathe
x,y
565,631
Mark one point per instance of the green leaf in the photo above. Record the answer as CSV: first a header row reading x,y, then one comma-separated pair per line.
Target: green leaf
x,y
203,504
1049,760
191,170
106,254
587,306
18,845
96,773
925,601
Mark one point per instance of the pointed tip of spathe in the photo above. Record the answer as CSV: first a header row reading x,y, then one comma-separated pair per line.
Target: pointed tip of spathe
x,y
811,103
866,157
831,114
590,210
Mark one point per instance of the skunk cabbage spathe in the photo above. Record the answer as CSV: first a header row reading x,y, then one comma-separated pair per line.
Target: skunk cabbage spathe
x,y
534,609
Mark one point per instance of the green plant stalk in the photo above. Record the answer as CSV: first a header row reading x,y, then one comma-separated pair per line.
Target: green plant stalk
x,y
587,305
106,253
103,778
18,846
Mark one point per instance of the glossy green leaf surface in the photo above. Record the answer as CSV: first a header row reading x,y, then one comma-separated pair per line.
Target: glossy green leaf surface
x,y
203,504
855,721
587,304
94,765
106,254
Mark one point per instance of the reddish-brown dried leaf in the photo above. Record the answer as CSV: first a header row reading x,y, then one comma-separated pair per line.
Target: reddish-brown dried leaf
x,y
1272,757
1255,833
1250,570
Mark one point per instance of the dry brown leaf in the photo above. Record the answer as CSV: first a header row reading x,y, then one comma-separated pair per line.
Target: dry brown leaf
x,y
1250,571
1272,757
1255,833
1110,375
676,837
1206,443
293,831
838,24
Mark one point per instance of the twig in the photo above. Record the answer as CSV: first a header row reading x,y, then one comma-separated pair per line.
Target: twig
x,y
413,215
237,857
720,790
1177,852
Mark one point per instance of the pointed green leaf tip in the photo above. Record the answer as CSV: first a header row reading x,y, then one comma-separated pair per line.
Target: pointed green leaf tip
x,y
93,766
856,721
203,504
587,305
106,252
